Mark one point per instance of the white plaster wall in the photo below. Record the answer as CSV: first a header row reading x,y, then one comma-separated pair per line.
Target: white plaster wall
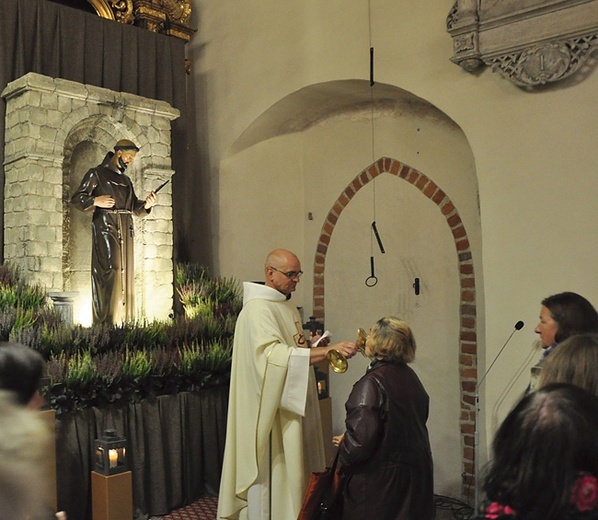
x,y
262,187
534,152
282,190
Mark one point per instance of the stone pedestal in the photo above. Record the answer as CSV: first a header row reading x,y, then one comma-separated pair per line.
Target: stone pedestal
x,y
63,302
112,496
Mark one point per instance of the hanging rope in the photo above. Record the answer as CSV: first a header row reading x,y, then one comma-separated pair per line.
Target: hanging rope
x,y
372,280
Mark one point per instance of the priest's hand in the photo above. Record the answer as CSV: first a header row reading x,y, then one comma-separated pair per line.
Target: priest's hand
x,y
104,201
320,340
346,348
150,200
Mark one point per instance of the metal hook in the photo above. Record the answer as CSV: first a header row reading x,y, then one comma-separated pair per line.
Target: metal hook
x,y
371,280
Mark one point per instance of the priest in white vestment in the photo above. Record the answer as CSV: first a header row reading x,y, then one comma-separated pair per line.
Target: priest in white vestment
x,y
274,435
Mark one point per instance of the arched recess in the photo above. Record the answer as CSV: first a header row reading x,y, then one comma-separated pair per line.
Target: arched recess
x,y
85,145
467,306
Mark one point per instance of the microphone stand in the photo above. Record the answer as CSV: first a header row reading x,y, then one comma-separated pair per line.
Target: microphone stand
x,y
476,439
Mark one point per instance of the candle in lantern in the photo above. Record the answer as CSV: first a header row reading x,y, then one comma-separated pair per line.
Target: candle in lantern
x,y
113,456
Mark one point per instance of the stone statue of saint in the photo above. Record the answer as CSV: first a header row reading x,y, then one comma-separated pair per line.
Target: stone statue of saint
x,y
109,193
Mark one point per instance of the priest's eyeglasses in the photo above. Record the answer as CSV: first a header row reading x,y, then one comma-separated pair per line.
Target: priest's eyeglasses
x,y
289,274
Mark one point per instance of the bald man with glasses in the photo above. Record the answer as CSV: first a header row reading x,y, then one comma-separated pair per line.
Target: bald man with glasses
x,y
274,434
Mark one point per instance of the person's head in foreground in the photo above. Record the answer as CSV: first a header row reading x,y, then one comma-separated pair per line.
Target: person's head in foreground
x,y
545,458
574,362
21,370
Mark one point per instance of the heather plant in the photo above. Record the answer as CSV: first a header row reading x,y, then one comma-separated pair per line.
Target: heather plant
x,y
109,367
81,370
24,318
205,363
21,304
135,375
217,358
47,337
9,275
7,321
15,292
136,364
188,271
119,364
202,295
73,381
9,297
147,334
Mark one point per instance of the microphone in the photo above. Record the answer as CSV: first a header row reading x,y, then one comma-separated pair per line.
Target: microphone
x,y
518,326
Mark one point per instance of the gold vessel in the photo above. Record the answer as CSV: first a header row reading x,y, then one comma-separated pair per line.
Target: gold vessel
x,y
337,361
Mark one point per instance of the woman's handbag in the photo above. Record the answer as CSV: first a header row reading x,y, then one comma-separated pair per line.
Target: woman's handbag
x,y
324,495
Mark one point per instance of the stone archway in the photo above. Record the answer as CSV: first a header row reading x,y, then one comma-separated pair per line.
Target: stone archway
x,y
46,120
467,308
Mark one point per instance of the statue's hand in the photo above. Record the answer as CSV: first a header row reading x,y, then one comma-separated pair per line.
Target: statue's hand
x,y
150,200
104,201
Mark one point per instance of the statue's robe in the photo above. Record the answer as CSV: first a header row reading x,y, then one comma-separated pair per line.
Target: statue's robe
x,y
112,256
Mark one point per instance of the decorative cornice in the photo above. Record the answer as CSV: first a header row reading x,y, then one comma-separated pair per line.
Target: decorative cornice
x,y
545,63
160,16
529,46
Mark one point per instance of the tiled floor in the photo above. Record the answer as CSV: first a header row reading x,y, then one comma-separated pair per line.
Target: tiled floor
x,y
205,509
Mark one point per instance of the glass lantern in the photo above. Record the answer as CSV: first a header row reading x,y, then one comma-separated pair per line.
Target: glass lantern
x,y
110,454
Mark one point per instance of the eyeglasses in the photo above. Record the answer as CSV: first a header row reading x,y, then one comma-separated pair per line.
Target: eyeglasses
x,y
288,274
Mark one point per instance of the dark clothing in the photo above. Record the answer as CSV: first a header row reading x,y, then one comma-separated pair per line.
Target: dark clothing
x,y
112,260
386,447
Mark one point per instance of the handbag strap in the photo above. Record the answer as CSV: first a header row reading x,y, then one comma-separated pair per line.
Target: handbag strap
x,y
327,499
335,461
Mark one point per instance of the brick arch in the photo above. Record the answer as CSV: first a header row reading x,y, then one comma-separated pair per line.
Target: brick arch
x,y
467,309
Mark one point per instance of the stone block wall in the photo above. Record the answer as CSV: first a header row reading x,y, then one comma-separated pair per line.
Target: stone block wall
x,y
46,119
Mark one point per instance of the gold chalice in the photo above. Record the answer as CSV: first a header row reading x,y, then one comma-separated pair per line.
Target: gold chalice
x,y
337,361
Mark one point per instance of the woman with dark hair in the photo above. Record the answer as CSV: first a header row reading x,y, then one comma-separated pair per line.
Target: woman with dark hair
x,y
572,314
545,459
385,447
562,315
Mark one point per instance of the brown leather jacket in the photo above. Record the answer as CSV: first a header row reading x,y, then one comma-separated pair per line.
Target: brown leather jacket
x,y
386,448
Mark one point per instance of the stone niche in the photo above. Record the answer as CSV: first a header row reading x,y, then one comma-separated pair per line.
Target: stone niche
x,y
55,131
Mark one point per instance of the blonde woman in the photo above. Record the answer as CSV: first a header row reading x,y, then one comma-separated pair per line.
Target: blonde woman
x,y
385,447
574,362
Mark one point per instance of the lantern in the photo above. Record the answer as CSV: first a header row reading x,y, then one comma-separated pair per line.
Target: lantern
x,y
110,453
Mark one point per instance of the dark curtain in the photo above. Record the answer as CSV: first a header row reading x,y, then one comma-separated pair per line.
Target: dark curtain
x,y
176,445
62,42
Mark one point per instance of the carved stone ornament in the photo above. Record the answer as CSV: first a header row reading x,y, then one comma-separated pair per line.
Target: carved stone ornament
x,y
529,42
160,16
